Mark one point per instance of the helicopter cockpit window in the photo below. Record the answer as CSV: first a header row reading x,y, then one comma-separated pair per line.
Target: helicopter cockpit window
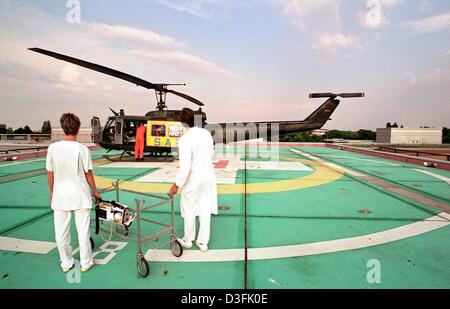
x,y
108,132
158,130
130,131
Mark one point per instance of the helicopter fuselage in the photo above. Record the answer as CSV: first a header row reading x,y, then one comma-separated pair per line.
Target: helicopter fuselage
x,y
164,129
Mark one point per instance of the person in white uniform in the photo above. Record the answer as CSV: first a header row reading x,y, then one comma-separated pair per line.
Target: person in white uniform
x,y
70,179
197,181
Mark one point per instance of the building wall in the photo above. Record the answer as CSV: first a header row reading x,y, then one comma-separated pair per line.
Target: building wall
x,y
409,136
83,137
320,132
384,136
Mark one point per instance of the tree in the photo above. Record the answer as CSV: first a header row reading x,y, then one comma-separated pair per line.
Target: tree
x,y
446,136
46,127
343,134
388,125
367,135
26,130
395,125
9,131
299,137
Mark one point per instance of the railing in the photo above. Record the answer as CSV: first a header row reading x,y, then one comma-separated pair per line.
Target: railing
x,y
417,153
36,138
18,150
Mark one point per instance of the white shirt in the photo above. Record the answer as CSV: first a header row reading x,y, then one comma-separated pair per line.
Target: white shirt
x,y
69,161
196,174
196,152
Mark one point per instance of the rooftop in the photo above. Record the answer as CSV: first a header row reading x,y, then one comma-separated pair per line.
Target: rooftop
x,y
307,217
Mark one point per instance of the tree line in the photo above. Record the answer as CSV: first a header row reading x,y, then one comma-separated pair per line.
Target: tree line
x,y
367,135
45,129
304,137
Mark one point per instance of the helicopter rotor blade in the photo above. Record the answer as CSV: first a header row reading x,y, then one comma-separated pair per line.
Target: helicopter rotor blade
x,y
99,68
322,95
352,95
114,112
186,97
335,95
124,76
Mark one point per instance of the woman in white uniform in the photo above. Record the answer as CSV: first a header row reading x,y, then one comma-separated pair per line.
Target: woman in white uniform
x,y
69,171
197,181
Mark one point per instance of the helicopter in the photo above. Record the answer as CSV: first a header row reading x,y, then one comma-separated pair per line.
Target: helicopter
x,y
164,127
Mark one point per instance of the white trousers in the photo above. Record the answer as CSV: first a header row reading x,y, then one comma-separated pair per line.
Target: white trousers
x,y
62,237
190,229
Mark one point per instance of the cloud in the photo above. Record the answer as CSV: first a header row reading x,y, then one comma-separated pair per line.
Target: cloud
x,y
186,62
312,14
71,79
426,5
376,14
436,76
431,24
199,8
120,32
322,20
391,3
331,43
29,79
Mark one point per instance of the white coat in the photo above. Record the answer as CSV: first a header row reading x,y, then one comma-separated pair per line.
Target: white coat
x,y
70,161
196,176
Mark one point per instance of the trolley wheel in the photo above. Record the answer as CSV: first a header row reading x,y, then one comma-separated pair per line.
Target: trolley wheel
x,y
176,248
92,243
142,267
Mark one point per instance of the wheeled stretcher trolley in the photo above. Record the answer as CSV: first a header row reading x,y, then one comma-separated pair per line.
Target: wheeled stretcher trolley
x,y
116,219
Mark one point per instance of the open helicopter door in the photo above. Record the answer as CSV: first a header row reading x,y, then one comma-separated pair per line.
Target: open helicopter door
x,y
118,136
96,130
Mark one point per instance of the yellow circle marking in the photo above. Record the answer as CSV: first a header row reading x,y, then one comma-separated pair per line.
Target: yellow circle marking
x,y
322,175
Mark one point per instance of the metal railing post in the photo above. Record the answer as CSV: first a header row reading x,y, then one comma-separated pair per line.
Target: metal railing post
x,y
139,204
172,215
116,188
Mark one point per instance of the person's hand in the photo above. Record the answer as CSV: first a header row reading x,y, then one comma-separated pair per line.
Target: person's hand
x,y
173,190
96,195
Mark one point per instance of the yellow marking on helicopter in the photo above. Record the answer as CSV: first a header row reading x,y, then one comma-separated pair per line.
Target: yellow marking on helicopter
x,y
322,175
164,133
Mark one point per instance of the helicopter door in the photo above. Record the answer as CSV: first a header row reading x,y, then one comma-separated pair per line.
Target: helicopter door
x,y
118,139
96,130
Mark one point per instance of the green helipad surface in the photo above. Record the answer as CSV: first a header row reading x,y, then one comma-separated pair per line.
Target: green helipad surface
x,y
293,217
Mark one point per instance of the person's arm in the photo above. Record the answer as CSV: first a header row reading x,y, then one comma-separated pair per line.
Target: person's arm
x,y
87,166
51,181
185,155
50,172
213,153
91,181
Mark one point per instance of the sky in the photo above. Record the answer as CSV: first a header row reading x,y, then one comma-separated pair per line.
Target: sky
x,y
252,60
